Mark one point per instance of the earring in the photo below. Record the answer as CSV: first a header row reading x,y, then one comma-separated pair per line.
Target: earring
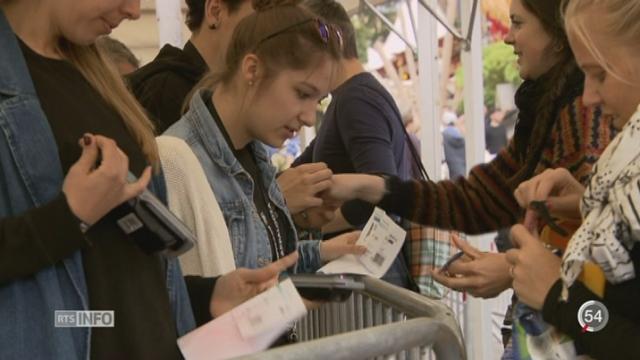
x,y
558,47
215,25
250,82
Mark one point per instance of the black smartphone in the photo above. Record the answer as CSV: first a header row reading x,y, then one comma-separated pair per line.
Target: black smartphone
x,y
323,287
152,226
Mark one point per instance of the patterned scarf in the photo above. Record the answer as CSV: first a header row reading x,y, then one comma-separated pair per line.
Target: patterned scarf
x,y
610,225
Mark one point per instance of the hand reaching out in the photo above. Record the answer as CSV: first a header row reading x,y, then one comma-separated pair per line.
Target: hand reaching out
x,y
301,185
238,286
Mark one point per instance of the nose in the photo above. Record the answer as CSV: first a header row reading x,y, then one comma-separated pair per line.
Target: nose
x,y
509,39
308,115
131,8
590,95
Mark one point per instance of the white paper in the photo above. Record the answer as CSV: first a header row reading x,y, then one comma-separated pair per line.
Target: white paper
x,y
383,239
250,327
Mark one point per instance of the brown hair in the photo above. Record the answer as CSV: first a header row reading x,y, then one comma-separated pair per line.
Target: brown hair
x,y
195,11
282,35
333,12
555,86
104,77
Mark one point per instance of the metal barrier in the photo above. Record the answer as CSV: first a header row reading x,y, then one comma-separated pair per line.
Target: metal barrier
x,y
382,320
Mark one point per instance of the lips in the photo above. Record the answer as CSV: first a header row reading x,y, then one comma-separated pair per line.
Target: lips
x,y
291,131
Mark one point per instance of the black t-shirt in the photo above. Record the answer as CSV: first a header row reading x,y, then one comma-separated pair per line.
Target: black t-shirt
x,y
271,216
119,276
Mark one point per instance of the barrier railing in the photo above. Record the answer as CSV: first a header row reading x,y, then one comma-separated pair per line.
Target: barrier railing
x,y
382,320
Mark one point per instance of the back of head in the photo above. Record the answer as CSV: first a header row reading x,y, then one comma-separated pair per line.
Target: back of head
x,y
196,10
334,13
617,20
118,52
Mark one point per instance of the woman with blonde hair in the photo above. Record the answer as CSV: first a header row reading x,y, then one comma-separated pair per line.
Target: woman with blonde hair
x,y
62,107
604,37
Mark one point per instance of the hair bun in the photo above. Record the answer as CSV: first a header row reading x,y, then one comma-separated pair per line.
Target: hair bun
x,y
264,5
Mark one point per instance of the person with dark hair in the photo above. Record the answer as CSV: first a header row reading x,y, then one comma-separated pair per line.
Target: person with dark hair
x,y
362,130
162,85
125,61
555,129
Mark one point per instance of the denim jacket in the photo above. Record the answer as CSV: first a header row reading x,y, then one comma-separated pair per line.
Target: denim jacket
x,y
233,188
30,176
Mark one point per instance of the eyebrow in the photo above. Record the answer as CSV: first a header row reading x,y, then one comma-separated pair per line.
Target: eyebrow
x,y
311,86
590,66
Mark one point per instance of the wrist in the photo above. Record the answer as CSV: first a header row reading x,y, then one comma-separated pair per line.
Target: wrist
x,y
373,188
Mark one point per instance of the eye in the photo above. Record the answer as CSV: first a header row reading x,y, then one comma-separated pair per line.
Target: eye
x,y
516,24
302,95
597,75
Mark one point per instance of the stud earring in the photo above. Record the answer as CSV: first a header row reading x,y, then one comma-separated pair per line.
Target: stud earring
x,y
250,82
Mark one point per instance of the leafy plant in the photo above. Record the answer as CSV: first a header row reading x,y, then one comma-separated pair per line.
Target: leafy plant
x,y
499,66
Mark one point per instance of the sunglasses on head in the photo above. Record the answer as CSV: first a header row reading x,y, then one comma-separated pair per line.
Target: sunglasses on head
x,y
324,31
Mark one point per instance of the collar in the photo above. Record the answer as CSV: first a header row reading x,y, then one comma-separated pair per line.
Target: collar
x,y
212,137
195,58
14,74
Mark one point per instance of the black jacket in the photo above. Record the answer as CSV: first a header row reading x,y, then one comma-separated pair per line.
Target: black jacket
x,y
162,85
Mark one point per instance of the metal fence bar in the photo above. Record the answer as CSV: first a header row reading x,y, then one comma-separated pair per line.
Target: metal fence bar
x,y
372,342
381,303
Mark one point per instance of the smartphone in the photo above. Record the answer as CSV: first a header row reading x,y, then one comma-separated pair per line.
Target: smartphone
x,y
455,257
323,287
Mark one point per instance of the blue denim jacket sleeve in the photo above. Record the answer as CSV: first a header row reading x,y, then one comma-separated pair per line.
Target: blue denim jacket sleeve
x,y
309,261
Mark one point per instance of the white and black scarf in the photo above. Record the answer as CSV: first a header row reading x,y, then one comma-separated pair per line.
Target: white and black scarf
x,y
610,210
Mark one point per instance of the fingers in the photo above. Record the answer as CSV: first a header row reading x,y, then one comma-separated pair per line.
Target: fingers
x,y
320,186
136,188
270,271
455,283
521,237
530,220
349,244
459,267
115,164
312,167
464,246
318,176
89,155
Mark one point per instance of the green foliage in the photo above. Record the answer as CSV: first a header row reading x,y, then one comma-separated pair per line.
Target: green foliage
x,y
370,28
499,66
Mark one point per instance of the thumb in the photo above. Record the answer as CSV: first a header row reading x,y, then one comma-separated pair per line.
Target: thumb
x,y
521,237
270,271
89,156
464,246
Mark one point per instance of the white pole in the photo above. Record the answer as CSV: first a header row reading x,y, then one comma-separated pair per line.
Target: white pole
x,y
169,18
478,312
430,136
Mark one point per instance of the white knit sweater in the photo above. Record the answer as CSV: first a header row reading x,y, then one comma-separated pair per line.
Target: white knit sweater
x,y
192,200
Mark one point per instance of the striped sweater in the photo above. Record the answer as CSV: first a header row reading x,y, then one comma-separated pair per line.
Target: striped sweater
x,y
484,201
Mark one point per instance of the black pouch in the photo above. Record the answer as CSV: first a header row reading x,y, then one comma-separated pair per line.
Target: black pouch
x,y
148,222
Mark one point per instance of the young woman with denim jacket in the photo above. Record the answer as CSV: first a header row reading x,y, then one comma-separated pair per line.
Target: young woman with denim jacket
x,y
60,248
278,67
